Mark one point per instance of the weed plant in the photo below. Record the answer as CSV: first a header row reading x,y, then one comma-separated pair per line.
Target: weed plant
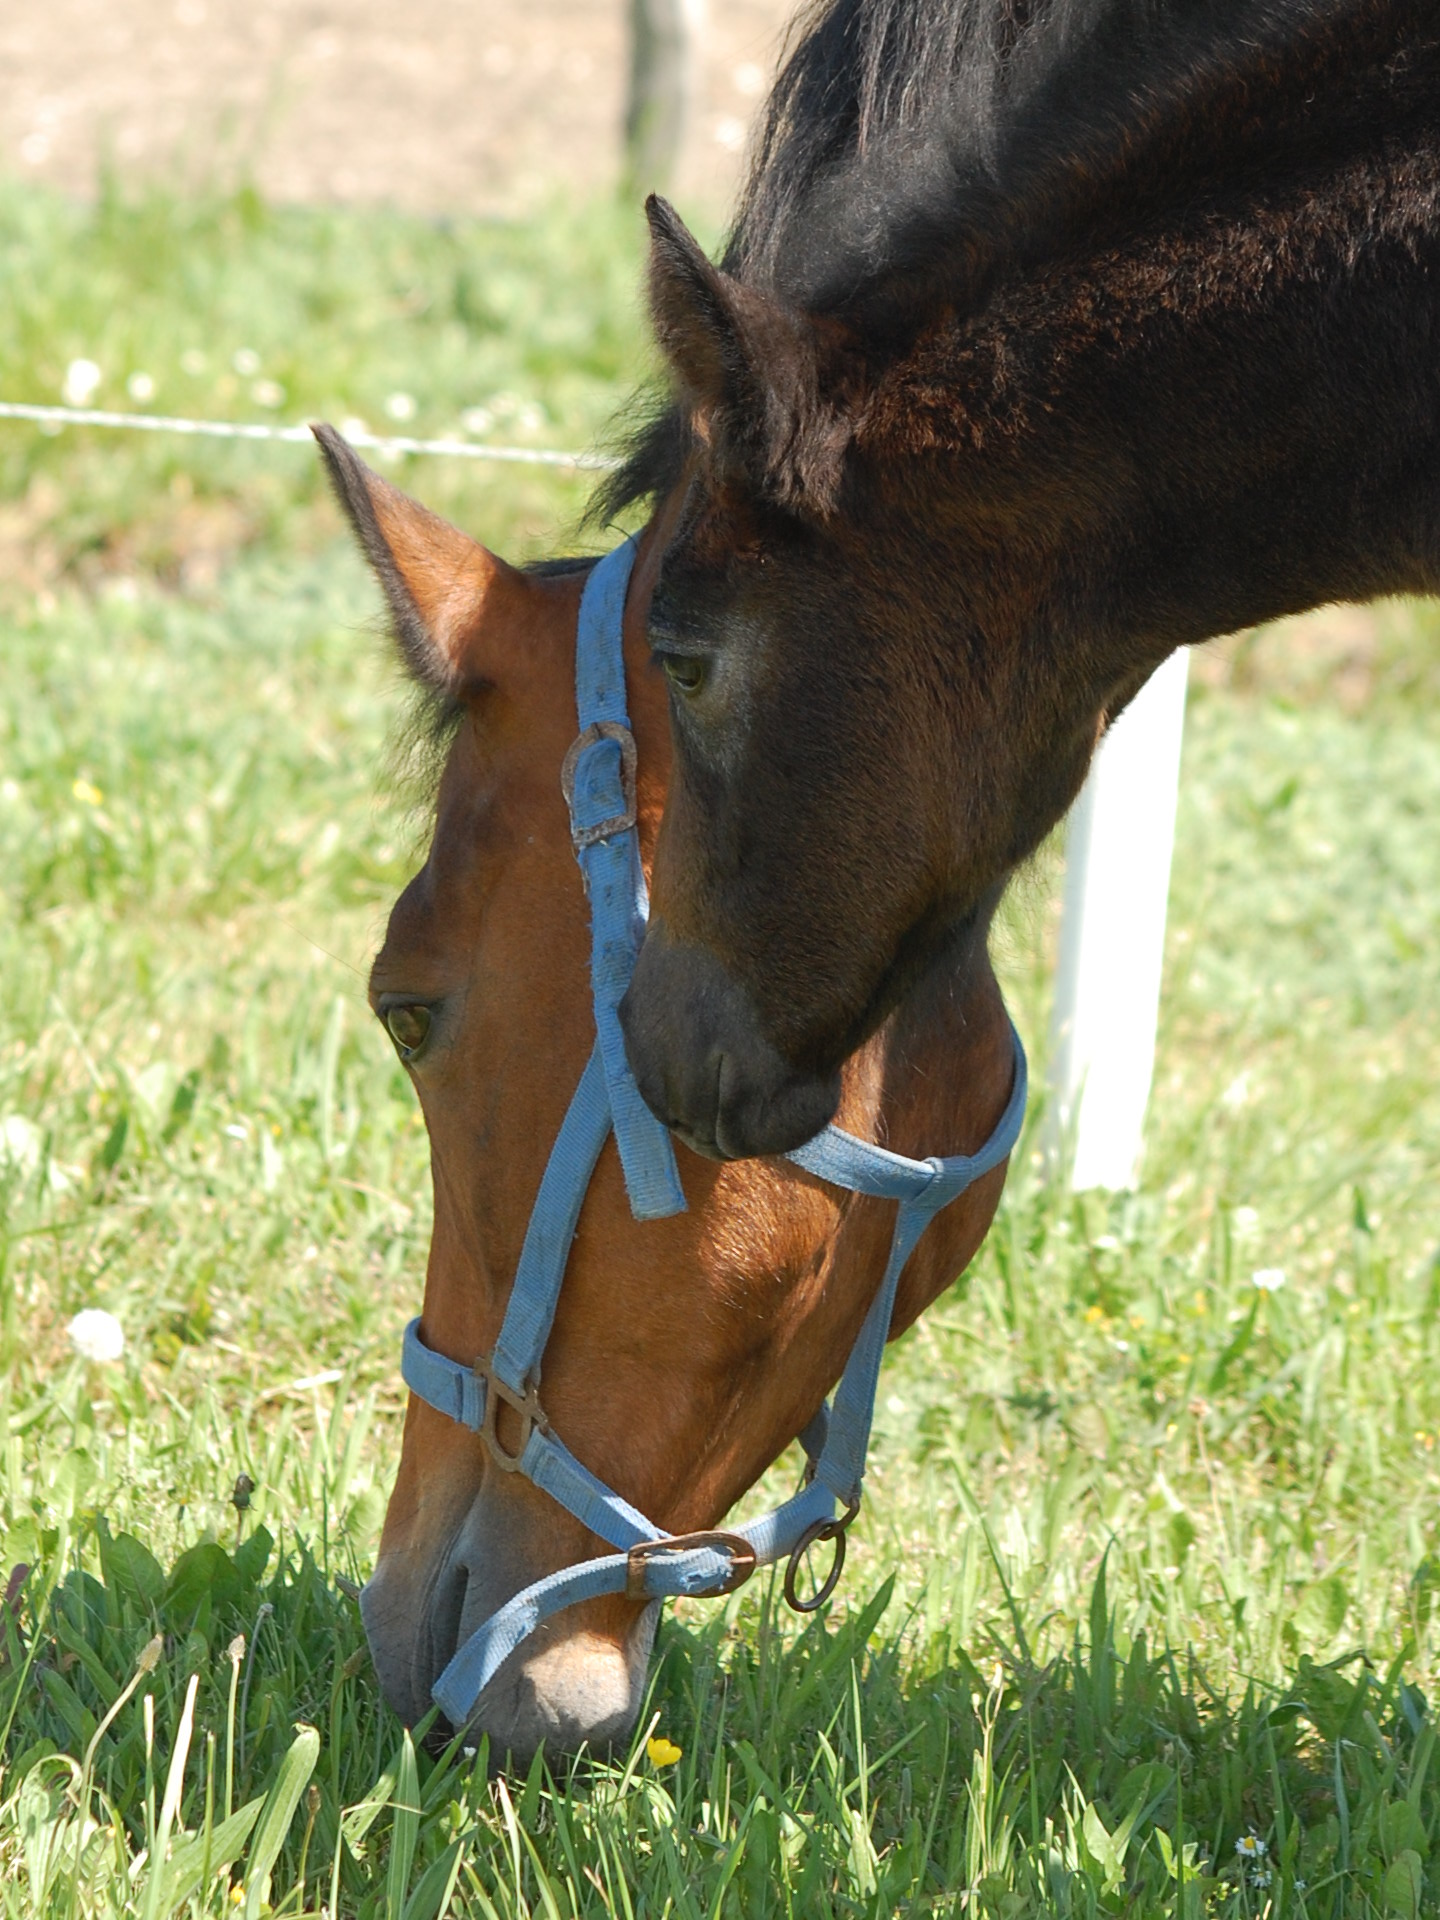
x,y
1140,1613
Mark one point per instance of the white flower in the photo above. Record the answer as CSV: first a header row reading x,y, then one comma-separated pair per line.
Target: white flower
x,y
352,425
1244,1220
246,362
193,362
97,1336
82,377
140,387
477,419
267,393
400,406
1269,1279
1251,1847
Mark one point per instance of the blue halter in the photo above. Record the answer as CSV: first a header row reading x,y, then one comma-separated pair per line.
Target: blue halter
x,y
599,783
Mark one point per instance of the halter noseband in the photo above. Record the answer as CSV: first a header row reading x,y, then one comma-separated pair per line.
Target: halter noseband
x,y
599,785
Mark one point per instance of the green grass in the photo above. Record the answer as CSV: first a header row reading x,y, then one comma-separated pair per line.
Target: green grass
x,y
1148,1564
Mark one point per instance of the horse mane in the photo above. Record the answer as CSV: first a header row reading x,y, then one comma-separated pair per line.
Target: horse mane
x,y
913,153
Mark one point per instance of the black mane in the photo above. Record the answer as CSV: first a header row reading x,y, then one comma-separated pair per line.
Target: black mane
x,y
915,151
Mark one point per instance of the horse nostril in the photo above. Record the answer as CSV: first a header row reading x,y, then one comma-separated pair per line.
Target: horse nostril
x,y
703,1064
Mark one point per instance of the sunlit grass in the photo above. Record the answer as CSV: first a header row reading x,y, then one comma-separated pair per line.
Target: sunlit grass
x,y
1148,1564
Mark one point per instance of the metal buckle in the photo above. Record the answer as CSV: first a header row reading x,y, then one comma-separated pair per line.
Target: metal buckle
x,y
813,1536
526,1404
617,822
742,1560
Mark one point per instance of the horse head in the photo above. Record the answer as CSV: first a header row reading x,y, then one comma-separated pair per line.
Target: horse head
x,y
864,743
686,1352
1048,340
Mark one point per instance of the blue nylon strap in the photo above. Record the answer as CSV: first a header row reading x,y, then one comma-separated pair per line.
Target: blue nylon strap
x,y
692,1571
552,1466
441,1383
925,1186
689,1571
536,1293
599,641
615,882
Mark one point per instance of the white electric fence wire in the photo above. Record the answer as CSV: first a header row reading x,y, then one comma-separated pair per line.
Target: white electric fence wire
x,y
300,436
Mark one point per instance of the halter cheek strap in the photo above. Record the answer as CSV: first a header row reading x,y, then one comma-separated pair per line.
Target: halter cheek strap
x,y
599,782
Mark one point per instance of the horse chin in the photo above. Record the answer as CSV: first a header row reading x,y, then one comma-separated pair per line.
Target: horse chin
x,y
703,1064
566,1690
571,1684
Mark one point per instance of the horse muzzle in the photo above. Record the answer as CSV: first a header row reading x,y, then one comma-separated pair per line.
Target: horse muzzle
x,y
704,1066
577,1681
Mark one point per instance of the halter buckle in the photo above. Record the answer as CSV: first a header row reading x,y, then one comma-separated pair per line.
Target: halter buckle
x,y
526,1405
742,1560
814,1535
614,823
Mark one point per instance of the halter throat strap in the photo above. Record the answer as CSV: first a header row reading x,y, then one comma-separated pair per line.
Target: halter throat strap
x,y
599,783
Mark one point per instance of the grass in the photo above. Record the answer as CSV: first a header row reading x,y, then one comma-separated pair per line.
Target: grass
x,y
1147,1575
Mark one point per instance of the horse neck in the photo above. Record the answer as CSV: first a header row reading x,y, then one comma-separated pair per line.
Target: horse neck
x,y
937,1074
1231,417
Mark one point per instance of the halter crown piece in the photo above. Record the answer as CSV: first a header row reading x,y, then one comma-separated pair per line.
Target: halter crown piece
x,y
599,783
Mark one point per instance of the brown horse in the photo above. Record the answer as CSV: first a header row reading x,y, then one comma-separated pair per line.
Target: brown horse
x,y
688,1351
1054,335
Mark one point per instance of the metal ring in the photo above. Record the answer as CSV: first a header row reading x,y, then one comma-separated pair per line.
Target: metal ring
x,y
815,1535
597,731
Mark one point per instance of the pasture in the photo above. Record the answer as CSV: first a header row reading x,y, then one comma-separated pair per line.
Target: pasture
x,y
1140,1612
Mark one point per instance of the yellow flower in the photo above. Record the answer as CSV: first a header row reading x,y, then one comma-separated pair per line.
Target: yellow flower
x,y
82,790
662,1752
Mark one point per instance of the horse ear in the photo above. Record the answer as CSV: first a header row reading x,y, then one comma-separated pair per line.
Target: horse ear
x,y
766,386
694,310
442,586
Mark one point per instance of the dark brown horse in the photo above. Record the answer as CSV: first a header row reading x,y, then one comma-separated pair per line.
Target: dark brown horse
x,y
687,1352
1054,335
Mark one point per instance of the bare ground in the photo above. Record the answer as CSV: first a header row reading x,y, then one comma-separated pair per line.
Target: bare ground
x,y
433,105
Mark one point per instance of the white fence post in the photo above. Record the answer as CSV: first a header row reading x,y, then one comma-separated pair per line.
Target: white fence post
x,y
1112,937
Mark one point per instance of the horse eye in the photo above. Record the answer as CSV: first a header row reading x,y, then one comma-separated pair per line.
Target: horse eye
x,y
409,1027
684,671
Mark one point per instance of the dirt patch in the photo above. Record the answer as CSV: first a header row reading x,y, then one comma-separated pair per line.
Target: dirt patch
x,y
432,107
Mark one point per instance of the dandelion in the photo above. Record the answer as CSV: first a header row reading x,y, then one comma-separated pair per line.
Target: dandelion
x,y
662,1752
88,795
246,362
1269,1279
400,406
97,1336
82,377
140,387
267,393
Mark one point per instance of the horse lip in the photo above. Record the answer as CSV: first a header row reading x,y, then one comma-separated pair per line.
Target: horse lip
x,y
705,1144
